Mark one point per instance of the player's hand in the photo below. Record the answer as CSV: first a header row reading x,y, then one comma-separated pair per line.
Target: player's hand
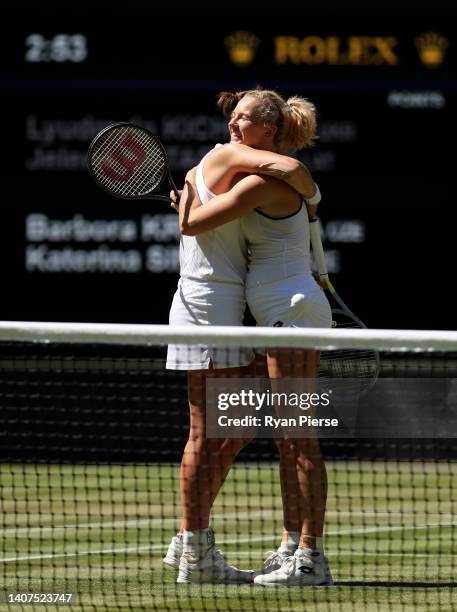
x,y
174,201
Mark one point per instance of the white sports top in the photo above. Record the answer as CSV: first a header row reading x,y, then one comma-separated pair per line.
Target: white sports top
x,y
279,247
219,255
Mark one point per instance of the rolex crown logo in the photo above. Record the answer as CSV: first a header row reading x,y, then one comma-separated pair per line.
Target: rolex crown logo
x,y
431,47
241,47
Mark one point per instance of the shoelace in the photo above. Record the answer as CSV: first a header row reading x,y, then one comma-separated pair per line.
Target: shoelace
x,y
274,557
288,567
218,556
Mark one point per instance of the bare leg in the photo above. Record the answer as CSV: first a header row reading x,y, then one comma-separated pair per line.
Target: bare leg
x,y
206,462
304,489
302,468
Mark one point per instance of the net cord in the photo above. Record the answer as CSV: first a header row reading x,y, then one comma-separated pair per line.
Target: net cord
x,y
230,336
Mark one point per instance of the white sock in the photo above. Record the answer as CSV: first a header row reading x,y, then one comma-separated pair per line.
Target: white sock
x,y
197,542
291,545
317,552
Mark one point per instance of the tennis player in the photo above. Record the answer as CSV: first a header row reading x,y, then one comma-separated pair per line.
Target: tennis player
x,y
211,291
280,290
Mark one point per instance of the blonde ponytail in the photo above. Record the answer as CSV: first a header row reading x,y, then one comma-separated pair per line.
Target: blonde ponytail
x,y
299,124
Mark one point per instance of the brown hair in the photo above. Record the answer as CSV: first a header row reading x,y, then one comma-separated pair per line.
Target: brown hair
x,y
295,118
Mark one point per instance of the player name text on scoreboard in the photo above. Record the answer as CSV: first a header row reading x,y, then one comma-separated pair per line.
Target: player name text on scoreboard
x,y
145,243
78,245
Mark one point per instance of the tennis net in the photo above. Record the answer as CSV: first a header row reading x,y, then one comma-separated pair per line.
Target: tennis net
x,y
93,428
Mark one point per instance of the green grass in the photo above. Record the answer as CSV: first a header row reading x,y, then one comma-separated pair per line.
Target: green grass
x,y
101,531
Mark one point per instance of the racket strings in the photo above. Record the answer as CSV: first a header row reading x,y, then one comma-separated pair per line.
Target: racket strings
x,y
345,363
145,176
362,365
151,172
148,175
105,146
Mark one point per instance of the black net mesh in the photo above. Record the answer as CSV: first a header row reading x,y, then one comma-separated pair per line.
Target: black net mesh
x,y
92,437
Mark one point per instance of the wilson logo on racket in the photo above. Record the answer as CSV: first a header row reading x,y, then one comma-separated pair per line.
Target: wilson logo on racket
x,y
127,163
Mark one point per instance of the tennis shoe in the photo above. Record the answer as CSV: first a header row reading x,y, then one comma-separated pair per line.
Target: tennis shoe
x,y
298,570
174,552
273,561
212,567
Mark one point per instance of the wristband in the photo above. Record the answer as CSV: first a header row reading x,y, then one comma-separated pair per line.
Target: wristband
x,y
316,198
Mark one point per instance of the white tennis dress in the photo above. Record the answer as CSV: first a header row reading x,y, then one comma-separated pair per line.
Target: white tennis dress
x,y
211,289
280,288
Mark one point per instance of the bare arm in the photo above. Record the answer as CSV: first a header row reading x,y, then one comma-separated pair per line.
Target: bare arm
x,y
247,194
188,199
242,158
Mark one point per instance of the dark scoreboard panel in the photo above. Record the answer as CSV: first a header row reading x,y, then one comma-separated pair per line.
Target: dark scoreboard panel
x,y
385,88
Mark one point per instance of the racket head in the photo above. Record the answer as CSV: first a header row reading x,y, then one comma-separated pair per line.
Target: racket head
x,y
358,365
127,161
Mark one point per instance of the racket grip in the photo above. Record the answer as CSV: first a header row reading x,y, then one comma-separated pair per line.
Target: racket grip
x,y
318,249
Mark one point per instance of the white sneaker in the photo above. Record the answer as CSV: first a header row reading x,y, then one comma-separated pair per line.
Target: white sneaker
x,y
174,552
213,567
273,562
298,570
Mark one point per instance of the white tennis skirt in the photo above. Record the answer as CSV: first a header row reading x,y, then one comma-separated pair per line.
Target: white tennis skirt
x,y
297,301
206,304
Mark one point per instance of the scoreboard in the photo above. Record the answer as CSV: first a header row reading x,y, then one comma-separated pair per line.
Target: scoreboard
x,y
384,85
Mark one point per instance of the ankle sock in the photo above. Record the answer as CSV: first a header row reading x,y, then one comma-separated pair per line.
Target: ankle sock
x,y
198,541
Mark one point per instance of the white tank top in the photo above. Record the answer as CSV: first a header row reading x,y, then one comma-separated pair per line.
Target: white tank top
x,y
217,256
279,248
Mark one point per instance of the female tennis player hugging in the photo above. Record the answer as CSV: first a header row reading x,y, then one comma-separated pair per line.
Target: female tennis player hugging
x,y
245,200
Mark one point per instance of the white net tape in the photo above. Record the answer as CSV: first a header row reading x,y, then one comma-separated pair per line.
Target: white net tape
x,y
226,336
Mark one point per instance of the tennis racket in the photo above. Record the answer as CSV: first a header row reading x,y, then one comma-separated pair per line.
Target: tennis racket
x,y
362,364
129,162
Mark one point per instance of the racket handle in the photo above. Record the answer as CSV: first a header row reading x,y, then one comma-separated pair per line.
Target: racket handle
x,y
174,189
318,249
177,196
176,192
